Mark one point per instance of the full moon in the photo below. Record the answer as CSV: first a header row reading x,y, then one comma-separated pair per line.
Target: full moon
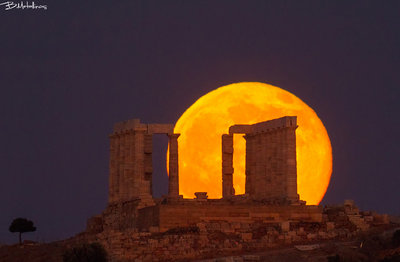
x,y
203,123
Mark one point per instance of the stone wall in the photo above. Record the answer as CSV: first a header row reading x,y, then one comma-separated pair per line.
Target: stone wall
x,y
218,237
189,213
121,216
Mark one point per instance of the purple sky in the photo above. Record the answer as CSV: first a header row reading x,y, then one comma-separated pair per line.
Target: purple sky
x,y
70,72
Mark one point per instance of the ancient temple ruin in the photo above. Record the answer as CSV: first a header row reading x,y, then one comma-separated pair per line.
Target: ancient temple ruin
x,y
135,225
271,180
271,172
131,171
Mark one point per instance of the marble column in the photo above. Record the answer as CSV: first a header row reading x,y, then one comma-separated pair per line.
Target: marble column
x,y
148,160
140,186
173,186
113,176
250,166
122,196
227,166
291,164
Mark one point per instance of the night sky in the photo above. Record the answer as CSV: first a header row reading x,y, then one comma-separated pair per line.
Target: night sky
x,y
70,72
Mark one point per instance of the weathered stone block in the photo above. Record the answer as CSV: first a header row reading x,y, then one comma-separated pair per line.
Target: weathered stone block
x,y
154,229
311,236
330,226
248,258
292,233
201,195
246,236
369,219
285,226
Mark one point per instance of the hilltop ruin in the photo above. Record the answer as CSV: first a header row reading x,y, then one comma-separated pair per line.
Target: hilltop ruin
x,y
270,213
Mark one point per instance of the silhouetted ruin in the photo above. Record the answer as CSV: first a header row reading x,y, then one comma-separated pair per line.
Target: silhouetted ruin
x,y
270,213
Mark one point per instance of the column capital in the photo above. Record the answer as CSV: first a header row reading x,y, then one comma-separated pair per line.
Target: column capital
x,y
175,135
113,135
140,130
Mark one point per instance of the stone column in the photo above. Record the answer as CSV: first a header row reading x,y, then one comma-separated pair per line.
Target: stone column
x,y
128,167
113,176
227,166
140,185
291,165
121,167
267,183
148,160
173,186
250,168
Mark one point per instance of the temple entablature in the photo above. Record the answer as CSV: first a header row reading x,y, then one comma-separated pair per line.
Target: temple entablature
x,y
135,125
266,126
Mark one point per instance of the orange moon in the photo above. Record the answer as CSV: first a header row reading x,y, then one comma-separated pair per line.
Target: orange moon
x,y
203,123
